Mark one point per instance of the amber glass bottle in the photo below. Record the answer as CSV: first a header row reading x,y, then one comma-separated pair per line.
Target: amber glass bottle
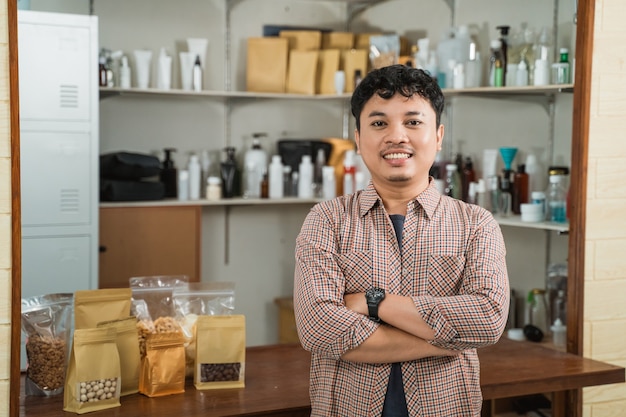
x,y
520,188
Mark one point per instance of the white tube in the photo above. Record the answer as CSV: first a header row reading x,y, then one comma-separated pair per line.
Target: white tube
x,y
143,59
186,69
164,81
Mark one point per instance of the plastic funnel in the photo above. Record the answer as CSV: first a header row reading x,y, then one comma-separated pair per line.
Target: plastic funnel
x,y
508,154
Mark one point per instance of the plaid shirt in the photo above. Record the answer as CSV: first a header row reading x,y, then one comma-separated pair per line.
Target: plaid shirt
x,y
453,266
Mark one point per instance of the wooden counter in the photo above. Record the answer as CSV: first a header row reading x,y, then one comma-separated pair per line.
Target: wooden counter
x,y
277,383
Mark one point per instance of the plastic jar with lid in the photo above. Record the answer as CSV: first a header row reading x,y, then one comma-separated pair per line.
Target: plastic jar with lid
x,y
214,189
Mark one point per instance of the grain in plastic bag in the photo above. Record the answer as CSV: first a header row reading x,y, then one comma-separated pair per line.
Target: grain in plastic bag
x,y
46,322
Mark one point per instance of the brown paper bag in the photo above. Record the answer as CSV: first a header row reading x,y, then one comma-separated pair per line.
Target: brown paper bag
x,y
337,40
163,368
221,352
327,65
266,67
128,348
354,59
93,375
302,72
302,40
94,306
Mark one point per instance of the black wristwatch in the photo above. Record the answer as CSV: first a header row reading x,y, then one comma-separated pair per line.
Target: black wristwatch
x,y
373,297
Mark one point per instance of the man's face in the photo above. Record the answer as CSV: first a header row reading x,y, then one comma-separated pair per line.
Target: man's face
x,y
399,139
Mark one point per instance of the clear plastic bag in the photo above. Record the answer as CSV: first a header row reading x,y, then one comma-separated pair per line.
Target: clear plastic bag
x,y
156,291
46,322
200,299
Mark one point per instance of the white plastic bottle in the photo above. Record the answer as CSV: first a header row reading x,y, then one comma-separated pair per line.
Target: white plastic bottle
x,y
125,73
195,176
305,182
254,165
329,182
349,169
521,77
183,184
276,177
197,74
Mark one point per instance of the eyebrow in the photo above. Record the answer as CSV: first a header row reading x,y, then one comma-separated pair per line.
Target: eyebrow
x,y
376,113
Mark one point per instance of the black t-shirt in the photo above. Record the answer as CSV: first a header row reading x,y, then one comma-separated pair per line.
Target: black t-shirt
x,y
395,400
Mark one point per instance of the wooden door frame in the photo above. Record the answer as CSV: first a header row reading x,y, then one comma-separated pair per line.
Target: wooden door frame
x,y
577,208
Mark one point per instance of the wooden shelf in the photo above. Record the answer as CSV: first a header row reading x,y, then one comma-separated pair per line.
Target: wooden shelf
x,y
529,90
220,203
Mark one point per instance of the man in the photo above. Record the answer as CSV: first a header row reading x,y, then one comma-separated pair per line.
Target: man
x,y
396,285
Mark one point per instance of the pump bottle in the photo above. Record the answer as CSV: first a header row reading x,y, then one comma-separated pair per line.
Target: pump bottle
x,y
496,64
504,47
230,174
125,73
169,175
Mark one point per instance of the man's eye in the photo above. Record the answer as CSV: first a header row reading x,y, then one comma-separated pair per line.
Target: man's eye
x,y
414,123
378,123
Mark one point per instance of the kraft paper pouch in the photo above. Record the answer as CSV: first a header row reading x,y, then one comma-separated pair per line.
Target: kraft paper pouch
x,y
128,348
337,40
221,352
94,306
354,59
327,65
266,67
93,375
302,72
163,368
302,40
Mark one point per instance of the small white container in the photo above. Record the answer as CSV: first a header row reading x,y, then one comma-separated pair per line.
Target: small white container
x,y
516,334
214,189
531,213
559,333
340,82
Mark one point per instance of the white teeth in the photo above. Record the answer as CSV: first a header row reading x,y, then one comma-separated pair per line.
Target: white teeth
x,y
397,156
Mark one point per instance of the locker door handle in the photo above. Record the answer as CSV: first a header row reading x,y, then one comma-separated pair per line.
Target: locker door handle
x,y
102,249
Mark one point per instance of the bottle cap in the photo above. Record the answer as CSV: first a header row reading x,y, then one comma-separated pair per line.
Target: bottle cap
x,y
495,44
214,180
451,167
537,195
558,325
276,159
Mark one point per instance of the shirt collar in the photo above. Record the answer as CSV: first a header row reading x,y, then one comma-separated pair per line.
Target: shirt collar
x,y
427,199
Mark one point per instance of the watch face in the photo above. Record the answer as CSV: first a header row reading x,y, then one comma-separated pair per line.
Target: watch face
x,y
375,295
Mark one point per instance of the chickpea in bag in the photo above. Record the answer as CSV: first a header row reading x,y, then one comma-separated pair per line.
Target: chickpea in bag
x,y
46,322
93,376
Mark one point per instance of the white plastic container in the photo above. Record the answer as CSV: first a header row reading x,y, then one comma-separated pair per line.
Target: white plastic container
x,y
559,333
276,177
125,74
329,182
305,181
195,175
214,188
254,165
183,185
532,213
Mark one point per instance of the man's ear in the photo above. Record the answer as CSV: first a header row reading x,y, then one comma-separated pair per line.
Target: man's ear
x,y
357,141
440,133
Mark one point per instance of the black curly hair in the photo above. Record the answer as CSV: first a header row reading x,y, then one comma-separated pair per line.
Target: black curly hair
x,y
388,81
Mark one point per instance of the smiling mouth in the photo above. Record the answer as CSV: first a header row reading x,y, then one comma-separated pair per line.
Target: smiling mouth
x,y
397,155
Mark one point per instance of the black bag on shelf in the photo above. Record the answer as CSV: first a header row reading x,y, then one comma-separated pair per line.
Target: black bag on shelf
x,y
129,166
114,190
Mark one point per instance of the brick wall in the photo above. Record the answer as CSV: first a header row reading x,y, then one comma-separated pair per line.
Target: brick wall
x,y
605,252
